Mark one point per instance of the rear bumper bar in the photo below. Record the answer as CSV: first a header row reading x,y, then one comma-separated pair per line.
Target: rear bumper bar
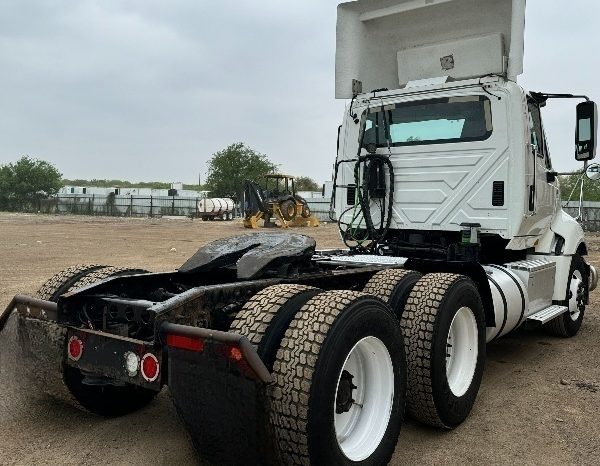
x,y
219,384
43,310
30,307
221,338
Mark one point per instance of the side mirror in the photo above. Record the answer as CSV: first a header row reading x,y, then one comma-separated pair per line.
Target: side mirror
x,y
593,172
586,131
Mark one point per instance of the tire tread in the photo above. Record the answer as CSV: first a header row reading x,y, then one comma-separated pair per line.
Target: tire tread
x,y
383,283
52,288
294,368
418,325
256,315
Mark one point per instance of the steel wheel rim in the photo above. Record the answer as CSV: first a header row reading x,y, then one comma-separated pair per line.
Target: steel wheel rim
x,y
461,351
576,288
359,430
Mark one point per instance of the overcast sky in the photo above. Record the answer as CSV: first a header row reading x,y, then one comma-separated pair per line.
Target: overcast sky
x,y
149,89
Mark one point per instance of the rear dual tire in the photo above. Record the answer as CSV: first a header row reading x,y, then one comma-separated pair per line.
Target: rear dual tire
x,y
265,318
103,400
444,327
316,370
339,370
393,286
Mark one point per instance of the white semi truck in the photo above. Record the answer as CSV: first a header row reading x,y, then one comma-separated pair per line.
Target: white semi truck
x,y
444,192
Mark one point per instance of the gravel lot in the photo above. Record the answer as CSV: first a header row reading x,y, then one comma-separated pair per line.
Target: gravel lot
x,y
539,402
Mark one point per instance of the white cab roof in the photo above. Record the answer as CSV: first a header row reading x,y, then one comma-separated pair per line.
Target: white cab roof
x,y
388,43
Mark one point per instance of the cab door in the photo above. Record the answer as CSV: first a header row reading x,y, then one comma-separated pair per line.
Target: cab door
x,y
543,191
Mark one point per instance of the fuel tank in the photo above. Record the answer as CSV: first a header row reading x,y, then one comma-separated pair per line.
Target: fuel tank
x,y
511,300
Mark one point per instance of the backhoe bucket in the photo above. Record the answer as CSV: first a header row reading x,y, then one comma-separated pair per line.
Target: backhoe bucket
x,y
251,221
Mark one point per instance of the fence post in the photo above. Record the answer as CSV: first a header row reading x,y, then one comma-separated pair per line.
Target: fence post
x,y
173,206
151,205
131,205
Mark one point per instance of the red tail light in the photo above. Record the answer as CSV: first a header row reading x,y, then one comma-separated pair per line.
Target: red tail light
x,y
235,354
186,343
75,348
150,367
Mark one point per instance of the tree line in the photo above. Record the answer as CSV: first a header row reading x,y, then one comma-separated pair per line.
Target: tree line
x,y
24,183
570,188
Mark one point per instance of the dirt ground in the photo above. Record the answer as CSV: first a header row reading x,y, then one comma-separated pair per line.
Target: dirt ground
x,y
539,401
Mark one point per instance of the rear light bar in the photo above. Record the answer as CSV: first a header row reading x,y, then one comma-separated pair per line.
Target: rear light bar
x,y
185,343
232,352
236,348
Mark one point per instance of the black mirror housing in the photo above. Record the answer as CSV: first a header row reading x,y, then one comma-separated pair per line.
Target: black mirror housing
x,y
586,131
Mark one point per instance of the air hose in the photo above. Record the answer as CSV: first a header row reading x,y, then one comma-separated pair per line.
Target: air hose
x,y
368,239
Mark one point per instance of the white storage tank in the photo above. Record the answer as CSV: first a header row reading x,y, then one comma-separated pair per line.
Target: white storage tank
x,y
216,207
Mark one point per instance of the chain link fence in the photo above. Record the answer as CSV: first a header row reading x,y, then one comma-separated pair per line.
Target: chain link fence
x,y
588,215
157,206
319,208
120,205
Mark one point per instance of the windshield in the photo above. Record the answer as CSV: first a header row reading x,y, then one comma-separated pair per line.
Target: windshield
x,y
436,121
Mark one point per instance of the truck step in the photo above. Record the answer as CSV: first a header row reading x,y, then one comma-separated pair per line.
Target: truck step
x,y
546,315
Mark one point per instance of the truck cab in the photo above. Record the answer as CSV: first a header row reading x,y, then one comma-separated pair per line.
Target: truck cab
x,y
433,89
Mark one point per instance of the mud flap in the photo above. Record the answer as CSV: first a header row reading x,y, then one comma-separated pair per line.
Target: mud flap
x,y
38,344
218,394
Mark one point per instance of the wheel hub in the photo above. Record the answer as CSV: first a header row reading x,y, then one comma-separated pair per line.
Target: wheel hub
x,y
581,297
576,296
461,351
363,398
344,399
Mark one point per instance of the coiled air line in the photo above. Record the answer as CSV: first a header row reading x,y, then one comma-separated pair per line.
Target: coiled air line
x,y
371,187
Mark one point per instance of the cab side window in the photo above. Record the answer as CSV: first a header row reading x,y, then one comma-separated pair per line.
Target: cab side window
x,y
538,138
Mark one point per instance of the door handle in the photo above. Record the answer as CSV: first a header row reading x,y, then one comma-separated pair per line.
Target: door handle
x,y
532,199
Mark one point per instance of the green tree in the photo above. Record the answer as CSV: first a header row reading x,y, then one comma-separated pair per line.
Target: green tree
x,y
304,183
570,185
230,167
24,182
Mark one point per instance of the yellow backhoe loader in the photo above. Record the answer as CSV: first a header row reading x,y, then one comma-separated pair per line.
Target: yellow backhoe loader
x,y
277,204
